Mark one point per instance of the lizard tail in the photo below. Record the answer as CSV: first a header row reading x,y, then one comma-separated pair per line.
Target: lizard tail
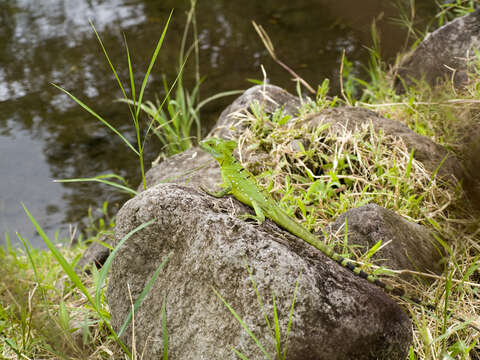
x,y
391,289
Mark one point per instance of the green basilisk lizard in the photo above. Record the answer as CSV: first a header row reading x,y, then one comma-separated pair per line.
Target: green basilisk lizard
x,y
242,185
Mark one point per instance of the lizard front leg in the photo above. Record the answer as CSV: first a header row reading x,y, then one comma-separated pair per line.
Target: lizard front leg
x,y
259,215
220,193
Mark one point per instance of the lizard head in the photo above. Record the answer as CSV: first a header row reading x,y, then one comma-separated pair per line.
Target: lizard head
x,y
218,148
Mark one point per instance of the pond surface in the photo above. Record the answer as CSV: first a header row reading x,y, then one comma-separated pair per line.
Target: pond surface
x,y
44,135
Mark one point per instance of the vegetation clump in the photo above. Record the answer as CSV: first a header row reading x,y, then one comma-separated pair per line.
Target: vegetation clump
x,y
318,173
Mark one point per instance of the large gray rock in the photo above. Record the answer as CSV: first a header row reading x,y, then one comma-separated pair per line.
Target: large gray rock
x,y
450,47
337,314
410,246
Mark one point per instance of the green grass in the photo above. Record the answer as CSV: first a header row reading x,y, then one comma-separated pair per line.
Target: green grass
x,y
453,9
41,313
60,301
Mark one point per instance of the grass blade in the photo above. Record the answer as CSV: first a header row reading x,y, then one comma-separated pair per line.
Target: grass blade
x,y
244,325
278,341
290,316
259,298
143,294
12,345
108,60
108,263
100,180
59,257
130,73
27,246
239,354
63,316
89,110
409,165
133,91
8,244
152,61
372,251
217,96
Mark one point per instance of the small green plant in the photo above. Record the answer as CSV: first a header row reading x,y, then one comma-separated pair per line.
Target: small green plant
x,y
174,117
104,222
406,19
173,126
136,104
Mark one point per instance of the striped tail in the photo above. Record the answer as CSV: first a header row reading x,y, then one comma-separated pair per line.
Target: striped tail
x,y
391,289
397,291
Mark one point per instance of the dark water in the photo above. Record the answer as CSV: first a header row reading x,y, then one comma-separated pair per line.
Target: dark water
x,y
46,136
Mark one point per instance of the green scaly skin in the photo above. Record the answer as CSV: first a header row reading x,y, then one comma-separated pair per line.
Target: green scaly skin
x,y
242,185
